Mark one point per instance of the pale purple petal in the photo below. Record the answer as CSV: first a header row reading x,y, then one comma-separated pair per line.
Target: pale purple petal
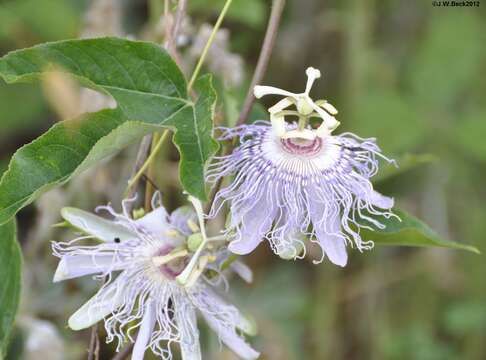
x,y
242,270
377,199
99,306
144,332
231,339
155,222
79,265
254,225
180,218
327,226
102,229
186,319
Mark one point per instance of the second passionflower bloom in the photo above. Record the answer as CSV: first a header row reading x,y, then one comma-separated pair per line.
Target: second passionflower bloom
x,y
142,261
293,181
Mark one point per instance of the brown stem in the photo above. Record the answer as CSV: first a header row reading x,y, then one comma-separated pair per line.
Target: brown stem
x,y
94,346
262,63
265,52
181,9
143,152
123,352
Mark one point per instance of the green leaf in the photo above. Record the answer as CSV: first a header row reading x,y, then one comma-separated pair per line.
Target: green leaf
x,y
55,156
410,231
149,89
130,71
10,279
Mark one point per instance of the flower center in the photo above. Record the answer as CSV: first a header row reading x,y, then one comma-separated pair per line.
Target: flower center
x,y
171,269
297,146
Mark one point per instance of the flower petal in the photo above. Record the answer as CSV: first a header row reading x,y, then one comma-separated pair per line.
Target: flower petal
x,y
156,221
73,266
99,306
187,323
97,226
145,332
379,200
328,232
210,297
242,270
180,217
254,225
230,338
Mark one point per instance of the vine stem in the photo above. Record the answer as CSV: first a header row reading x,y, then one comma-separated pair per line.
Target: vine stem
x,y
263,59
208,44
171,46
262,63
123,352
94,344
147,162
143,152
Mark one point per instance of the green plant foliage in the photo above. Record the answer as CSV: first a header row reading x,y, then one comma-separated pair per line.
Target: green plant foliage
x,y
418,343
465,318
386,115
279,309
54,157
410,231
148,87
19,117
448,59
10,278
470,132
405,163
248,12
51,20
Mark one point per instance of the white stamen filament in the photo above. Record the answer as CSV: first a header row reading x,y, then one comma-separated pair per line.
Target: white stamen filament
x,y
161,260
218,238
201,266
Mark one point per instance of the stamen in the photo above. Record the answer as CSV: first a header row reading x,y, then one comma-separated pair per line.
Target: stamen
x,y
192,225
172,233
312,75
203,261
305,106
184,277
161,260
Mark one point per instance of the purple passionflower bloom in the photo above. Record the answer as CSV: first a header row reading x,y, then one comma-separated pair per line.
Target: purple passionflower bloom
x,y
141,260
292,181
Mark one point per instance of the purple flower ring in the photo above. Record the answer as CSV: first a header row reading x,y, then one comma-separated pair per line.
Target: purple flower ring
x,y
292,181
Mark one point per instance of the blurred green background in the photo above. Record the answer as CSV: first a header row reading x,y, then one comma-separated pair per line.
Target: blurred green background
x,y
408,73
